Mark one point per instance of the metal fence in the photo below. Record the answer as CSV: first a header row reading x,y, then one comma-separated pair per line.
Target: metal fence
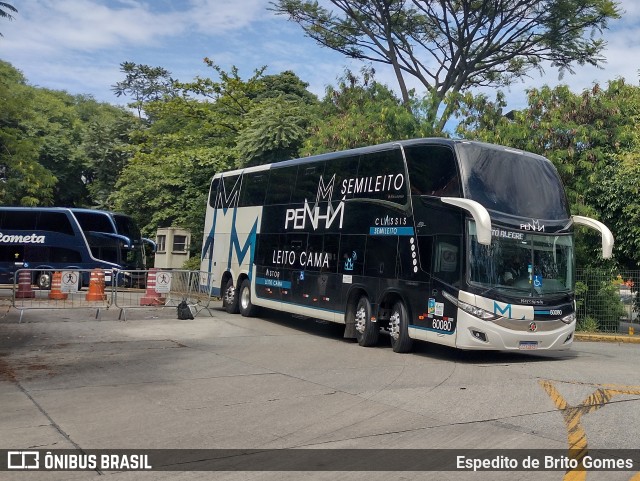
x,y
69,289
102,289
606,300
166,288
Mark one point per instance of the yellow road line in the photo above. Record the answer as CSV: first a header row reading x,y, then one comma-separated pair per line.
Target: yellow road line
x,y
572,417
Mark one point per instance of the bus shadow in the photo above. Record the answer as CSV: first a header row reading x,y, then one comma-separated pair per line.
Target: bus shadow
x,y
330,330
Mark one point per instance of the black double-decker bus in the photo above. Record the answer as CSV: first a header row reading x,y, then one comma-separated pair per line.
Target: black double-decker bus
x,y
454,242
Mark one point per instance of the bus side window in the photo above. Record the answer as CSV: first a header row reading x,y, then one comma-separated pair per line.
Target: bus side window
x,y
267,249
55,222
228,192
343,170
307,183
381,176
315,258
352,253
425,249
281,182
331,249
19,220
254,188
446,260
382,253
432,171
213,193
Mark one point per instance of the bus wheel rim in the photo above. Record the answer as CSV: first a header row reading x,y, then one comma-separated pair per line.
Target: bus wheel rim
x,y
245,298
394,325
361,320
229,295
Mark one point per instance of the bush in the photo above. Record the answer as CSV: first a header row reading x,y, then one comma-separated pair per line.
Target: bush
x,y
192,264
588,324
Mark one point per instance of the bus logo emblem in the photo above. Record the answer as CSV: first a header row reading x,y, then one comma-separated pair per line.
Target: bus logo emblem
x,y
533,327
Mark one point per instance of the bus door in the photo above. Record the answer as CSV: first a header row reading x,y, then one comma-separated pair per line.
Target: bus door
x,y
271,278
293,258
439,248
317,281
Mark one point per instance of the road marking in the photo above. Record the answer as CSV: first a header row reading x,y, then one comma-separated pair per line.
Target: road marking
x,y
572,416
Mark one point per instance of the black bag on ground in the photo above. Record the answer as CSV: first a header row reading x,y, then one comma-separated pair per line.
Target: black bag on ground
x,y
184,311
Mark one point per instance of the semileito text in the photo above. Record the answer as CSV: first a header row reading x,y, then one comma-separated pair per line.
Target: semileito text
x,y
380,183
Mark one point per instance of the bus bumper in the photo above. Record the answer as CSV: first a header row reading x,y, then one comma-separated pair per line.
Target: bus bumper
x,y
474,333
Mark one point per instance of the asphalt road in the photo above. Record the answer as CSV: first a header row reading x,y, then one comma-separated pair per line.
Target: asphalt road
x,y
71,381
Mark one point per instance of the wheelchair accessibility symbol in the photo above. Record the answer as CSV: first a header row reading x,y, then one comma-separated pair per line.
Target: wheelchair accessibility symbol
x,y
537,281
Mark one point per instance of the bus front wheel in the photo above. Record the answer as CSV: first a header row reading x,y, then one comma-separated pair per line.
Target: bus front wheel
x,y
399,328
367,331
247,309
230,298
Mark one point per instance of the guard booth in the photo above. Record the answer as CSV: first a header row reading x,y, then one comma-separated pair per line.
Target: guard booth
x,y
172,247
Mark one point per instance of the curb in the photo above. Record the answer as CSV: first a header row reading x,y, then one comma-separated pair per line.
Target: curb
x,y
599,337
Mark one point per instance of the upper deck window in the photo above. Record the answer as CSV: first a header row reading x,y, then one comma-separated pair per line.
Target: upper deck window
x,y
34,220
432,170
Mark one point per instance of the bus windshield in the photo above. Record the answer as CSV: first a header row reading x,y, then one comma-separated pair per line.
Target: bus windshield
x,y
512,182
520,263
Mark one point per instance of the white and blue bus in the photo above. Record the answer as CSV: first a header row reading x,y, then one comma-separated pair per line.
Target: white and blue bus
x,y
459,243
45,238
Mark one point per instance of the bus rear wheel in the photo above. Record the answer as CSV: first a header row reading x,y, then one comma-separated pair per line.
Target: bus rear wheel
x,y
367,331
230,298
44,280
247,309
399,328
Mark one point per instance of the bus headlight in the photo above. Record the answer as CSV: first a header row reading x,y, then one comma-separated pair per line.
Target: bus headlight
x,y
473,310
568,319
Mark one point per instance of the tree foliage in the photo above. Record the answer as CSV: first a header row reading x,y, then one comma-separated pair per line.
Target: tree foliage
x,y
46,151
359,112
5,11
205,126
143,84
455,45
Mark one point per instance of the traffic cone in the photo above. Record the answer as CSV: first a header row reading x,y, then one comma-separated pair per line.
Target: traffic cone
x,y
151,297
24,286
56,287
96,286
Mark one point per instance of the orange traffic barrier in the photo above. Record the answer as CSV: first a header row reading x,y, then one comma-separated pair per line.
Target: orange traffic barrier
x,y
56,287
151,297
96,286
25,291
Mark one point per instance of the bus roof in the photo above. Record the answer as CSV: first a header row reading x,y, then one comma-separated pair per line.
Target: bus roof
x,y
372,148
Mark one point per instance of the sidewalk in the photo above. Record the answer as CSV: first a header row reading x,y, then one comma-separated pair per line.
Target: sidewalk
x,y
608,337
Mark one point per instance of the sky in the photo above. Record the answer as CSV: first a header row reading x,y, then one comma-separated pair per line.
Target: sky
x,y
78,45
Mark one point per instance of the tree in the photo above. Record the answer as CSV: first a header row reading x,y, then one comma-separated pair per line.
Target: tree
x,y
143,84
55,148
206,126
455,45
25,182
276,130
5,8
359,112
106,148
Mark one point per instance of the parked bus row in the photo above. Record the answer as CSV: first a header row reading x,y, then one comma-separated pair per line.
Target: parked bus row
x,y
67,239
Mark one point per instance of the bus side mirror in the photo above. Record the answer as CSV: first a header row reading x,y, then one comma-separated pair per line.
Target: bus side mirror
x,y
607,236
480,216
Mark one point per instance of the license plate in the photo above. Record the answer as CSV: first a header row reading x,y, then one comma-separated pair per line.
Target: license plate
x,y
528,345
